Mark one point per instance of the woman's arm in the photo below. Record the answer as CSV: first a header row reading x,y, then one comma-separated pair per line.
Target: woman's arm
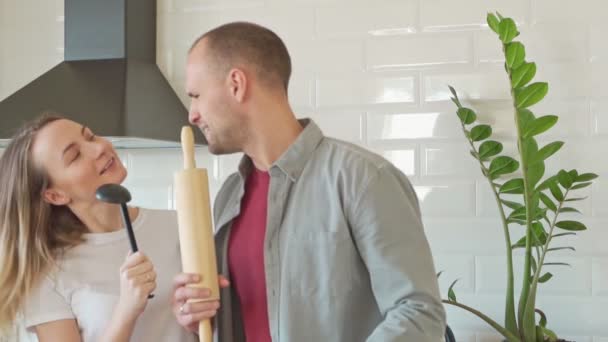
x,y
65,330
120,328
137,281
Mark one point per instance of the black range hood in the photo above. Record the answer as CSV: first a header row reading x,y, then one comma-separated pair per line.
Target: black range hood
x,y
108,80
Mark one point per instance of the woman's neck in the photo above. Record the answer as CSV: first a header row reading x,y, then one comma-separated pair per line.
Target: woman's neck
x,y
103,217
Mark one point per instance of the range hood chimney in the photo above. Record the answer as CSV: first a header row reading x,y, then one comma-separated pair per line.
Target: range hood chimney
x,y
109,79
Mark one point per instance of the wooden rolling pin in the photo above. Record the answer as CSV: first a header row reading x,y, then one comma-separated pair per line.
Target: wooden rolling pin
x,y
195,227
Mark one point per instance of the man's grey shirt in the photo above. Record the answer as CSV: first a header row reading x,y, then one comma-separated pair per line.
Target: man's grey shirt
x,y
345,254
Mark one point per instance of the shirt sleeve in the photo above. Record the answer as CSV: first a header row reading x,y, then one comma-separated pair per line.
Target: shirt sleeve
x,y
45,304
387,228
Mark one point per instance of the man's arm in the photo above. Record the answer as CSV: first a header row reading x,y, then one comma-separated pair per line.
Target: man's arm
x,y
388,231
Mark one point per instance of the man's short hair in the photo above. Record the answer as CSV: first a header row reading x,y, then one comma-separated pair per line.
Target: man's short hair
x,y
256,46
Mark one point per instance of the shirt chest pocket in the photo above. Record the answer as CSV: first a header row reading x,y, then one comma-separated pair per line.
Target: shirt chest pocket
x,y
319,263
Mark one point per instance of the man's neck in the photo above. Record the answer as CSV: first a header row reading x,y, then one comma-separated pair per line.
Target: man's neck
x,y
271,138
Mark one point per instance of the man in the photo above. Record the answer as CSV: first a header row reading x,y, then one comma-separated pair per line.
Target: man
x,y
321,240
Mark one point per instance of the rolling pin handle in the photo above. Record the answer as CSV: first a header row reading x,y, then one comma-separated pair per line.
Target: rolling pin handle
x,y
188,147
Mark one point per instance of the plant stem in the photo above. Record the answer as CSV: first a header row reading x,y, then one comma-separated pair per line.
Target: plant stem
x,y
524,327
510,320
525,290
545,248
504,332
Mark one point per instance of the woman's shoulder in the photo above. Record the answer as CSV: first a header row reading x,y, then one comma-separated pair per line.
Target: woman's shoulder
x,y
158,222
153,213
148,217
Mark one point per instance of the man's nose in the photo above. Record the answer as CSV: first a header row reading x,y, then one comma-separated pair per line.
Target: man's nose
x,y
194,116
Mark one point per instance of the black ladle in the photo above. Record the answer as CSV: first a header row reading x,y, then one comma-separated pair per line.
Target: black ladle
x,y
118,194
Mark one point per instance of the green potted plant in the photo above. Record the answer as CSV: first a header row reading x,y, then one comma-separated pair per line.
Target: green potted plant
x,y
542,198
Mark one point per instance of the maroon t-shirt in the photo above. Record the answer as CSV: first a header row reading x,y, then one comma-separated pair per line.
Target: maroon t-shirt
x,y
246,257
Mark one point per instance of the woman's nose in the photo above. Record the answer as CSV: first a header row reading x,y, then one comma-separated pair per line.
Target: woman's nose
x,y
97,147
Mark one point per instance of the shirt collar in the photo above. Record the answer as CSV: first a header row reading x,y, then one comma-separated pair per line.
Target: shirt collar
x,y
294,159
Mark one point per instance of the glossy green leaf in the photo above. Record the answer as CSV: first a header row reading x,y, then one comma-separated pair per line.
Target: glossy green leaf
x,y
513,186
535,201
539,236
548,202
529,150
503,165
536,168
489,149
569,210
536,171
517,221
571,225
515,54
545,184
581,185
480,132
540,125
524,118
575,199
521,243
585,177
556,192
507,30
564,179
564,234
531,95
561,249
519,214
539,214
522,75
545,277
467,116
511,204
454,98
493,22
451,293
548,150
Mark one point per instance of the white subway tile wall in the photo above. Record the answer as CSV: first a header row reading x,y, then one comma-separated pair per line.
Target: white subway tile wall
x,y
375,73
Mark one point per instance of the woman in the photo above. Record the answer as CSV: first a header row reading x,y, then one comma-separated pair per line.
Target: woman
x,y
64,254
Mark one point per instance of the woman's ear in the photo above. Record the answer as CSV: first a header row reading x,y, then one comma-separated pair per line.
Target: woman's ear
x,y
55,197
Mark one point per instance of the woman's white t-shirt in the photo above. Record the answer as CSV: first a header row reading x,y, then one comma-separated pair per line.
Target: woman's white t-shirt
x,y
87,285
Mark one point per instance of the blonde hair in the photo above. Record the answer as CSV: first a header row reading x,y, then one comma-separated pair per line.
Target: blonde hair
x,y
32,231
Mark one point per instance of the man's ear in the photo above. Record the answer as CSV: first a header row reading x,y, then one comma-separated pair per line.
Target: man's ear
x,y
238,83
55,197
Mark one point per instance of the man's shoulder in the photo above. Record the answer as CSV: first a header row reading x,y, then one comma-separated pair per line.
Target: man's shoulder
x,y
349,157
